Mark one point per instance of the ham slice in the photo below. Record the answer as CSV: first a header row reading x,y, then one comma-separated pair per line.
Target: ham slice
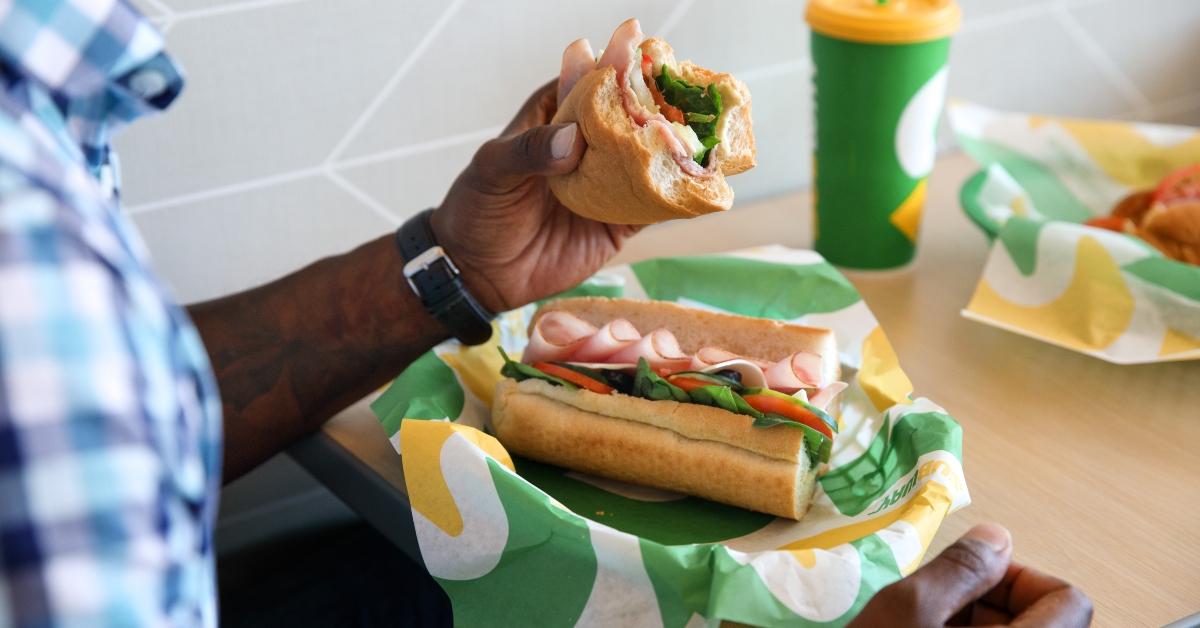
x,y
622,54
616,335
708,356
799,370
660,348
577,60
556,336
823,397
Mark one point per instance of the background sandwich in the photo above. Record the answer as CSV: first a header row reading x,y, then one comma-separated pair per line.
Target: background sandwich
x,y
725,407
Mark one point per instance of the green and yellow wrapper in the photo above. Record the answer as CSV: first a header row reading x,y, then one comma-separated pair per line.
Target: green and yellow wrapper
x,y
1094,291
515,542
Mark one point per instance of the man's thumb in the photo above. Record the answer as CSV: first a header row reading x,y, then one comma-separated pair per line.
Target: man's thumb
x,y
961,574
541,151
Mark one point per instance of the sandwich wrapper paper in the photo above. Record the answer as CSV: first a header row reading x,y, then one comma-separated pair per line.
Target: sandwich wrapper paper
x,y
1047,276
516,542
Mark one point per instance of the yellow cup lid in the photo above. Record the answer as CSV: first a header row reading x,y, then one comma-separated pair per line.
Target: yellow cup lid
x,y
884,21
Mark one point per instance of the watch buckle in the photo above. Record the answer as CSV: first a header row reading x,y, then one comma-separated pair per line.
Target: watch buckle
x,y
422,262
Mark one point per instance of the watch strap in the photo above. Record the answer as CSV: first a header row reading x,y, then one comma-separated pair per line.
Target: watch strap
x,y
435,279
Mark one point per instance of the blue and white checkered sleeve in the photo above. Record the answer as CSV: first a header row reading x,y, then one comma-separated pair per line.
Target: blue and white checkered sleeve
x,y
82,533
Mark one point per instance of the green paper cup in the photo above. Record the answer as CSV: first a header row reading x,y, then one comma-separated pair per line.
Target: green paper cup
x,y
879,83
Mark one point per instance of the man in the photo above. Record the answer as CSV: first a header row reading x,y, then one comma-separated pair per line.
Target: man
x,y
113,440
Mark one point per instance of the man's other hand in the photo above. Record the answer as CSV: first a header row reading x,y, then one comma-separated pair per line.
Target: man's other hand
x,y
975,583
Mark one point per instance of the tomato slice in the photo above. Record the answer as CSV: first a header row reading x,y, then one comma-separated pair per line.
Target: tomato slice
x,y
669,111
787,409
579,379
1183,184
689,383
1112,223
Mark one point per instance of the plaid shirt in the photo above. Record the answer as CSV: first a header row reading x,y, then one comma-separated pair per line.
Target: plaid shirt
x,y
109,417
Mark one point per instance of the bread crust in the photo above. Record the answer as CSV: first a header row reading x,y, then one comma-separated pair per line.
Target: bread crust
x,y
761,338
548,430
689,420
628,175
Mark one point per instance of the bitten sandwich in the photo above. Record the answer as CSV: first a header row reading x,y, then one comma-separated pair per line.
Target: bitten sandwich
x,y
729,408
662,135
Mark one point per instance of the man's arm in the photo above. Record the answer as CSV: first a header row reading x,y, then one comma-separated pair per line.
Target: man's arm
x,y
292,353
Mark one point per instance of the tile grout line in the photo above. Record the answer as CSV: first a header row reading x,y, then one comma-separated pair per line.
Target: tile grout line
x,y
362,197
417,52
231,8
226,190
161,6
674,17
1116,77
416,149
987,22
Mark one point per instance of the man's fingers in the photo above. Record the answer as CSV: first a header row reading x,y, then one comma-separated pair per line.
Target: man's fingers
x,y
1038,599
506,162
577,60
958,576
538,109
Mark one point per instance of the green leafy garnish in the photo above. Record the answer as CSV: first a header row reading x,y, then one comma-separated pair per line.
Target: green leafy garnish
x,y
522,372
724,398
649,385
701,108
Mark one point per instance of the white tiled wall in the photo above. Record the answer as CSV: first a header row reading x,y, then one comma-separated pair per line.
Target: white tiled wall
x,y
309,126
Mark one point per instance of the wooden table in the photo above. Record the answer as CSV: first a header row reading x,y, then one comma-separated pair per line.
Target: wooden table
x,y
1094,467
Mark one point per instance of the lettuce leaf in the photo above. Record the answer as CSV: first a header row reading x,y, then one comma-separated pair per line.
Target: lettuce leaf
x,y
724,398
701,107
522,372
817,445
649,385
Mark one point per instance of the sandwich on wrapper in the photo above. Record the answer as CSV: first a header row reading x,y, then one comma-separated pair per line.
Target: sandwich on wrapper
x,y
729,408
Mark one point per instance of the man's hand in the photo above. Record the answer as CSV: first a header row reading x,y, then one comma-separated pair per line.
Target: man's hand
x,y
974,583
512,239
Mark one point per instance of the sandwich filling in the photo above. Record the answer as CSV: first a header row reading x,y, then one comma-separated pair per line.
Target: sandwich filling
x,y
653,96
616,359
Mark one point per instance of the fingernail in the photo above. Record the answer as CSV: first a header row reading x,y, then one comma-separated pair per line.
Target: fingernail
x,y
563,141
994,536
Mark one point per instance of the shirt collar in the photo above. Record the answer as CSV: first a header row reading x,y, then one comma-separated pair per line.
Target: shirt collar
x,y
76,49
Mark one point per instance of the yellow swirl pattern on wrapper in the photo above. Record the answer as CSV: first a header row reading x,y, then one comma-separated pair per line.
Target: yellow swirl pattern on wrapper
x,y
421,444
1093,311
479,366
1175,341
1126,154
880,375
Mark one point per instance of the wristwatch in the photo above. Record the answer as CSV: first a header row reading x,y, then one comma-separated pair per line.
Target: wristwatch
x,y
437,282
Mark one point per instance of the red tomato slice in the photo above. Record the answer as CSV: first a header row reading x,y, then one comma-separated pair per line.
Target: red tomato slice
x,y
579,379
1112,223
671,112
1183,184
689,383
785,408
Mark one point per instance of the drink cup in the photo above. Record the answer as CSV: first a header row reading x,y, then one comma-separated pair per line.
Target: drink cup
x,y
880,69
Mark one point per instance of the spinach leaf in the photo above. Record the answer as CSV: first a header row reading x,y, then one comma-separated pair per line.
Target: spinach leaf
x,y
649,385
522,372
701,107
724,398
817,445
